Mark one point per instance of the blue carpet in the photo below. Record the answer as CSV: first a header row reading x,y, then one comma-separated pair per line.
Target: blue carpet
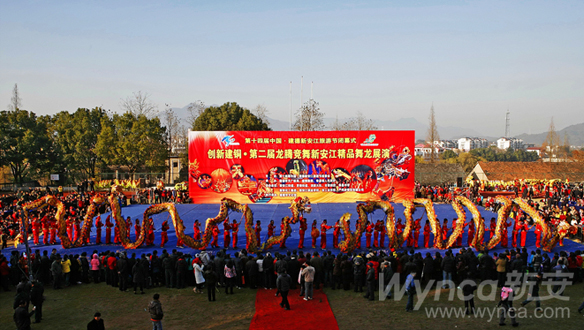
x,y
265,212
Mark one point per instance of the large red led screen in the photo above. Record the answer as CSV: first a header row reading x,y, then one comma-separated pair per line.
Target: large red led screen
x,y
276,167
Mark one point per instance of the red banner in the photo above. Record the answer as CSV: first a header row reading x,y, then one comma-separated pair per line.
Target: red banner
x,y
276,167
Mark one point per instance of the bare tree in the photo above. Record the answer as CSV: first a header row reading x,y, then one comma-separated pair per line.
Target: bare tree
x,y
195,109
359,123
139,104
171,122
15,101
261,112
309,117
552,141
337,125
433,135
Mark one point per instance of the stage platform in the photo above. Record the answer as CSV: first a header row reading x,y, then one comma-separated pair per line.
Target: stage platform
x,y
266,212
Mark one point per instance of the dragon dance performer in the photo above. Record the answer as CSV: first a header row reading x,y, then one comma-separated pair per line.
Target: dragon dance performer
x,y
215,234
197,230
77,226
98,226
492,227
445,230
505,233
108,230
128,227
471,232
137,228
271,228
226,228
523,230
46,224
150,236
376,234
164,234
417,227
336,233
314,234
36,228
87,241
382,234
258,230
234,232
427,231
323,228
368,231
282,231
538,231
301,231
54,226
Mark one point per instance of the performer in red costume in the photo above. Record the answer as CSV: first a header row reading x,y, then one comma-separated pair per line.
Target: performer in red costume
x,y
98,225
226,229
87,241
368,231
516,228
215,234
282,231
492,227
36,228
323,228
471,232
303,226
46,229
399,227
137,228
77,226
538,231
376,234
271,228
445,229
382,234
314,234
234,231
336,233
197,230
128,227
417,227
164,233
150,236
524,229
505,233
108,230
54,226
69,224
258,230
427,231
357,224
116,234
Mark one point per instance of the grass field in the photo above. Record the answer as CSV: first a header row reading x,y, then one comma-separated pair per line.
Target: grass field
x,y
73,308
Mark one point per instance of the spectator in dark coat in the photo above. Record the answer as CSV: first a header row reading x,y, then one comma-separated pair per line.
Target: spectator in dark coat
x,y
96,323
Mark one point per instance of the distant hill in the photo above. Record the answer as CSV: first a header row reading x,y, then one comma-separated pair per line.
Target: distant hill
x,y
575,135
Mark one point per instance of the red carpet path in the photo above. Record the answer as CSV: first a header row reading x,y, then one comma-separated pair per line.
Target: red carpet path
x,y
312,314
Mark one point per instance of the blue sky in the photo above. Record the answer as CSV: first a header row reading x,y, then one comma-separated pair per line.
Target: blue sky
x,y
388,59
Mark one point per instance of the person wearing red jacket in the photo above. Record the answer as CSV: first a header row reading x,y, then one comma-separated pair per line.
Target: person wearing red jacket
x,y
258,230
368,231
226,229
46,228
303,226
137,229
108,230
399,227
376,234
164,234
36,228
271,228
197,230
117,234
516,230
427,231
336,233
323,228
234,232
215,241
417,227
98,225
314,234
128,227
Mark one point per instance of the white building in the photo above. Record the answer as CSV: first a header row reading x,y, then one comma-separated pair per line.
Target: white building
x,y
506,143
469,143
446,144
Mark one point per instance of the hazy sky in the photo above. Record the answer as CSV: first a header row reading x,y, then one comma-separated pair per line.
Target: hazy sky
x,y
388,59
